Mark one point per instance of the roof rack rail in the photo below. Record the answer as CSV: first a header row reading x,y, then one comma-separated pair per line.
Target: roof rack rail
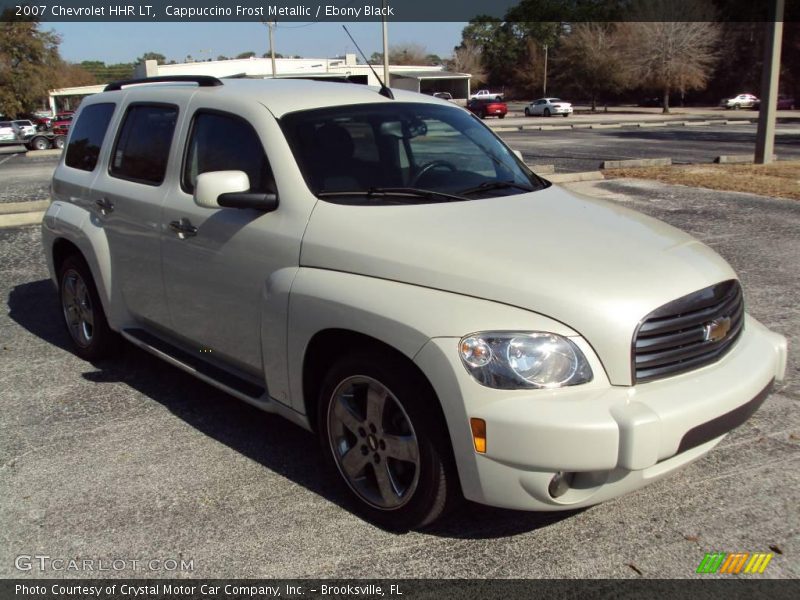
x,y
200,80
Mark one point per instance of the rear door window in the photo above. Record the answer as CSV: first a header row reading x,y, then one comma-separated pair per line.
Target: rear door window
x,y
87,136
143,143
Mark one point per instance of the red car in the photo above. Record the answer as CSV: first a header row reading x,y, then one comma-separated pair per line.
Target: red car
x,y
62,122
488,108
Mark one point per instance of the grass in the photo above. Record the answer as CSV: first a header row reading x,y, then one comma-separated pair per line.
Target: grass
x,y
779,179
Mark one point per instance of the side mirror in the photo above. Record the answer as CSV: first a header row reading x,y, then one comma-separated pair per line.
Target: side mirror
x,y
230,189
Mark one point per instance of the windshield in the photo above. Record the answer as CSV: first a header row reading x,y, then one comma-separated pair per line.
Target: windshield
x,y
402,153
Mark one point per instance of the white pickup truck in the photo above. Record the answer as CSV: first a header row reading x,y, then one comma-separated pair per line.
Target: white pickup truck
x,y
487,95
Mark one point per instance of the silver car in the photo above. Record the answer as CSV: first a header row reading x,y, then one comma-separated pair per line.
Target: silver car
x,y
381,269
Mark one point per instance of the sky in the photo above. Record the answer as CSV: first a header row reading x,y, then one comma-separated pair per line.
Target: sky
x,y
124,42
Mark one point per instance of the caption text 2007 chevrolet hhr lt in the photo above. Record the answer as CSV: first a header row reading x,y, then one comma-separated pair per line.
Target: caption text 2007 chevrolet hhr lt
x,y
380,268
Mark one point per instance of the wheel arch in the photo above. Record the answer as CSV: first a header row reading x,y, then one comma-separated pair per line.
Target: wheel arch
x,y
325,347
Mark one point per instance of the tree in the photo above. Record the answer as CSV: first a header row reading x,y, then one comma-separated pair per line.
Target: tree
x,y
674,55
159,58
591,60
29,62
249,54
407,54
467,58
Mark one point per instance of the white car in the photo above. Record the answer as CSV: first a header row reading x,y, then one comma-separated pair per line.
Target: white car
x,y
740,101
546,107
7,131
26,127
383,270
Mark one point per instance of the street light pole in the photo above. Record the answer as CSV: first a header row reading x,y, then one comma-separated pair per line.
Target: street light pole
x,y
544,83
385,48
271,25
765,135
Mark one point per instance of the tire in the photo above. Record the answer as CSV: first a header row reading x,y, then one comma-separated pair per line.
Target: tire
x,y
565,115
59,142
39,143
82,311
546,112
736,107
501,116
527,112
395,493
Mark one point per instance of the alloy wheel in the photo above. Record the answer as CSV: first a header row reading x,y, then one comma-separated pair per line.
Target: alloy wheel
x,y
77,306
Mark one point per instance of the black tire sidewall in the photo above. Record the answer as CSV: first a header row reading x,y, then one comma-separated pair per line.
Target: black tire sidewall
x,y
104,340
415,395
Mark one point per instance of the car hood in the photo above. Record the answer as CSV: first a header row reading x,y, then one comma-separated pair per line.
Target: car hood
x,y
595,266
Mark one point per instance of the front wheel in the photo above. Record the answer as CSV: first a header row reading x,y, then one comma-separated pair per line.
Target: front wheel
x,y
546,112
378,425
501,116
565,115
39,143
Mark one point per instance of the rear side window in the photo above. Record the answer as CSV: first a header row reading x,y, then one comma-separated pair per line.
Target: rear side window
x,y
143,143
87,136
223,142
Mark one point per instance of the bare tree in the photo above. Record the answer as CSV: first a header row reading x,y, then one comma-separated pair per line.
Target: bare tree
x,y
592,61
529,74
674,55
467,58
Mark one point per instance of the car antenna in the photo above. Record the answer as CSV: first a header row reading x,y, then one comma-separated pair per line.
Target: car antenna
x,y
384,91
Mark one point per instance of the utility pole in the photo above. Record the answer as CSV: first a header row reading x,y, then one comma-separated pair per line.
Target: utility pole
x,y
544,83
765,135
271,25
385,48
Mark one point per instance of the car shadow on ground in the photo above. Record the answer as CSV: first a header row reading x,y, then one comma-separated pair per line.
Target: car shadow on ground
x,y
268,439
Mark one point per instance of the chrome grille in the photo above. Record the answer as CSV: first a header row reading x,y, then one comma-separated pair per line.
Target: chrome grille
x,y
680,336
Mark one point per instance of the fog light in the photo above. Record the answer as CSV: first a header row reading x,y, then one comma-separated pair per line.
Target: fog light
x,y
559,484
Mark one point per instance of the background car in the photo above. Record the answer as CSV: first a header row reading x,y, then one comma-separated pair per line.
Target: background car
x,y
443,95
547,107
740,101
488,108
7,131
26,126
784,103
62,122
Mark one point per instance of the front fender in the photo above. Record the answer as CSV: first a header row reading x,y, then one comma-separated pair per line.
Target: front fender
x,y
400,315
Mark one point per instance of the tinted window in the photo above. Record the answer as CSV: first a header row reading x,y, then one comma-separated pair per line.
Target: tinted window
x,y
87,136
143,144
220,142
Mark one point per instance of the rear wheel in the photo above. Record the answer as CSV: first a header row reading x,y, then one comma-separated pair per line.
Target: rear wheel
x,y
546,112
527,112
378,425
82,311
59,142
565,115
39,143
502,116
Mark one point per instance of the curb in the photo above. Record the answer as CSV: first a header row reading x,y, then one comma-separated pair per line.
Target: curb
x,y
17,214
20,219
572,177
51,152
738,159
636,162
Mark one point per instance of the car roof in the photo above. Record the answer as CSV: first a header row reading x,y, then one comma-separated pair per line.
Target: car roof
x,y
280,96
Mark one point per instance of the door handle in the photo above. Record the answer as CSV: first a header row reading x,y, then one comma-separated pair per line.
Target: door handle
x,y
104,205
183,227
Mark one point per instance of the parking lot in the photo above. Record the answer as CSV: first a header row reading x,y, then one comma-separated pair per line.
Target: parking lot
x,y
131,458
571,150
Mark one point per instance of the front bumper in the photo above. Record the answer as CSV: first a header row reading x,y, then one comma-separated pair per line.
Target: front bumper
x,y
614,438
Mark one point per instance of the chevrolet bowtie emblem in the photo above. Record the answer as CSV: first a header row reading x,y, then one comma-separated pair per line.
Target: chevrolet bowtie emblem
x,y
717,329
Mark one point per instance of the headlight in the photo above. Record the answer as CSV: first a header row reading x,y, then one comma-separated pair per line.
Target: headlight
x,y
513,360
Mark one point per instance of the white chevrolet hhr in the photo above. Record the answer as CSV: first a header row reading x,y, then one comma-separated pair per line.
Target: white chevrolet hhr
x,y
380,268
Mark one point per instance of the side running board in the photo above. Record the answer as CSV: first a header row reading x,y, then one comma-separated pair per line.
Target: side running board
x,y
239,386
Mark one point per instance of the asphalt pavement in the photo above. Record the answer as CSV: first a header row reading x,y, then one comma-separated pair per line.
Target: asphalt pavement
x,y
133,459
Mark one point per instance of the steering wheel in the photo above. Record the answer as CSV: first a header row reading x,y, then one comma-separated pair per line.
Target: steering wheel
x,y
430,166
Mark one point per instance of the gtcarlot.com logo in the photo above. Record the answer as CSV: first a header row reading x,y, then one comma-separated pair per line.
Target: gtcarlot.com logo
x,y
734,563
44,563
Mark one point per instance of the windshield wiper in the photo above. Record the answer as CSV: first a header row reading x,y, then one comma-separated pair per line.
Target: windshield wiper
x,y
496,185
399,192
